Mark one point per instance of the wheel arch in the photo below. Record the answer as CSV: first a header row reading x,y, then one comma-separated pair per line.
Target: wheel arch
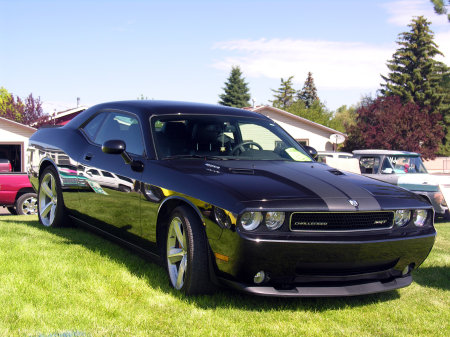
x,y
164,210
44,164
23,191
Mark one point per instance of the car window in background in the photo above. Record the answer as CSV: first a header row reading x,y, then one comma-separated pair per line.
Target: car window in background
x,y
402,165
369,165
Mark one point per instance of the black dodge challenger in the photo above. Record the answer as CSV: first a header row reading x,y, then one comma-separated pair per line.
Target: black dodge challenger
x,y
225,196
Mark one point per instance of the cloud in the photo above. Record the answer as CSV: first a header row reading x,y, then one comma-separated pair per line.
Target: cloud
x,y
443,41
335,65
400,12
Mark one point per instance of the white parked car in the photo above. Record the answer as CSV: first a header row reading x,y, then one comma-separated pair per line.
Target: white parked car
x,y
406,169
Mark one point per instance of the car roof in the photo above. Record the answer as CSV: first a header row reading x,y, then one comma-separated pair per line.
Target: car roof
x,y
332,152
155,107
386,152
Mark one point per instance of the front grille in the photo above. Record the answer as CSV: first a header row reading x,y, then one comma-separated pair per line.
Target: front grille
x,y
341,221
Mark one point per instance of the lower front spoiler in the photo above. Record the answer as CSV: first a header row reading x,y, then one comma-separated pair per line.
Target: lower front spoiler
x,y
324,291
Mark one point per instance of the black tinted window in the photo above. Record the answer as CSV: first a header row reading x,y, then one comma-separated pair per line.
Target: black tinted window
x,y
92,127
113,125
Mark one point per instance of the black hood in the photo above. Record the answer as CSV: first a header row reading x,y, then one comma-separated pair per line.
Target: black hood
x,y
294,185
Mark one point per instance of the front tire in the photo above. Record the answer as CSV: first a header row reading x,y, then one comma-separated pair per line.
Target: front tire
x,y
12,210
186,253
26,204
50,200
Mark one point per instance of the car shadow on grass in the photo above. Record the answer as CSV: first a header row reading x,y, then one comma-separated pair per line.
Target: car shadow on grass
x,y
156,278
435,277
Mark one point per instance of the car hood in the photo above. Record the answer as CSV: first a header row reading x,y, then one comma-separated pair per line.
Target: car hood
x,y
422,182
292,185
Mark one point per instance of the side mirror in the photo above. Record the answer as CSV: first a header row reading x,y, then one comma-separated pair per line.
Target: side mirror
x,y
311,151
114,146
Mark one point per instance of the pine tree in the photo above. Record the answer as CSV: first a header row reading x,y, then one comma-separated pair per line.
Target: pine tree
x,y
309,92
236,90
415,75
439,7
284,95
445,108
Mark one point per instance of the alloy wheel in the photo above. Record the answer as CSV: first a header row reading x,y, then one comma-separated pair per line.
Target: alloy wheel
x,y
47,199
29,206
176,253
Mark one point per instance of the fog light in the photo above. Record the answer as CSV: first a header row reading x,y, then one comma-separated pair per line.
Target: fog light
x,y
408,269
405,271
259,277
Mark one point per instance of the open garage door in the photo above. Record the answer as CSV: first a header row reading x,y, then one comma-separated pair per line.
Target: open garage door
x,y
12,152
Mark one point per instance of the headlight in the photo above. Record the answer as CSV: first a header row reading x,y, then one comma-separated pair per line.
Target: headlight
x,y
251,220
274,220
401,217
420,216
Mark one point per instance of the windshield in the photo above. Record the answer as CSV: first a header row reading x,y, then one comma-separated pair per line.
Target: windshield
x,y
402,165
223,138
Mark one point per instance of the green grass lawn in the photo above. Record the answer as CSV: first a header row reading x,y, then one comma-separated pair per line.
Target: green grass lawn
x,y
69,282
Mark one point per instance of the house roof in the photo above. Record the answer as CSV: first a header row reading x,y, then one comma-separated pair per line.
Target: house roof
x,y
294,117
69,112
20,125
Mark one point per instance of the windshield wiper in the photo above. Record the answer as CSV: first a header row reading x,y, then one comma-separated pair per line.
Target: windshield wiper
x,y
195,156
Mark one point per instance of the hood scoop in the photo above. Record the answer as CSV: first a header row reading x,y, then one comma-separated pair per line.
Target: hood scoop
x,y
336,172
242,171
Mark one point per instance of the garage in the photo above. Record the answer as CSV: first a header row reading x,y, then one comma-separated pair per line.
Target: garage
x,y
14,142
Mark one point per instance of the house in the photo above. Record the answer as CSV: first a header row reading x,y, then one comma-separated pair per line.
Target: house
x,y
303,130
63,117
14,142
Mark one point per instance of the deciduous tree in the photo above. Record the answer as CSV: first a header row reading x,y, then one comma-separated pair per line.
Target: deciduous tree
x,y
28,111
387,123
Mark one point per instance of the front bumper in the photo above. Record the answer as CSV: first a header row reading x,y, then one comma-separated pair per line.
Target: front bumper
x,y
323,291
319,266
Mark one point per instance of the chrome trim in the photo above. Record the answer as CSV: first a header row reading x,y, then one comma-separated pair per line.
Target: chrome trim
x,y
341,231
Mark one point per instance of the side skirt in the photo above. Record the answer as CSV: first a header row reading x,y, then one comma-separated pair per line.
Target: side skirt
x,y
145,253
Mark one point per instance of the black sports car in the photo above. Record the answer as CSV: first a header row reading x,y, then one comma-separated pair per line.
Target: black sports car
x,y
225,196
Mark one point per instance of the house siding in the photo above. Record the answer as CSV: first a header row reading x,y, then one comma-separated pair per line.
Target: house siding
x,y
317,137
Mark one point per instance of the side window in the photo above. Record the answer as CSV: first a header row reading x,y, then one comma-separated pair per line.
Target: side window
x,y
369,165
93,172
114,125
107,174
94,124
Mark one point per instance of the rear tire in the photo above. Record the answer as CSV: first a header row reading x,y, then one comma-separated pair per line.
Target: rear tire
x,y
186,253
26,204
51,208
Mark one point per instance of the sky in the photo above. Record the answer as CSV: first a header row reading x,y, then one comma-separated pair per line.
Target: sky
x,y
104,51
